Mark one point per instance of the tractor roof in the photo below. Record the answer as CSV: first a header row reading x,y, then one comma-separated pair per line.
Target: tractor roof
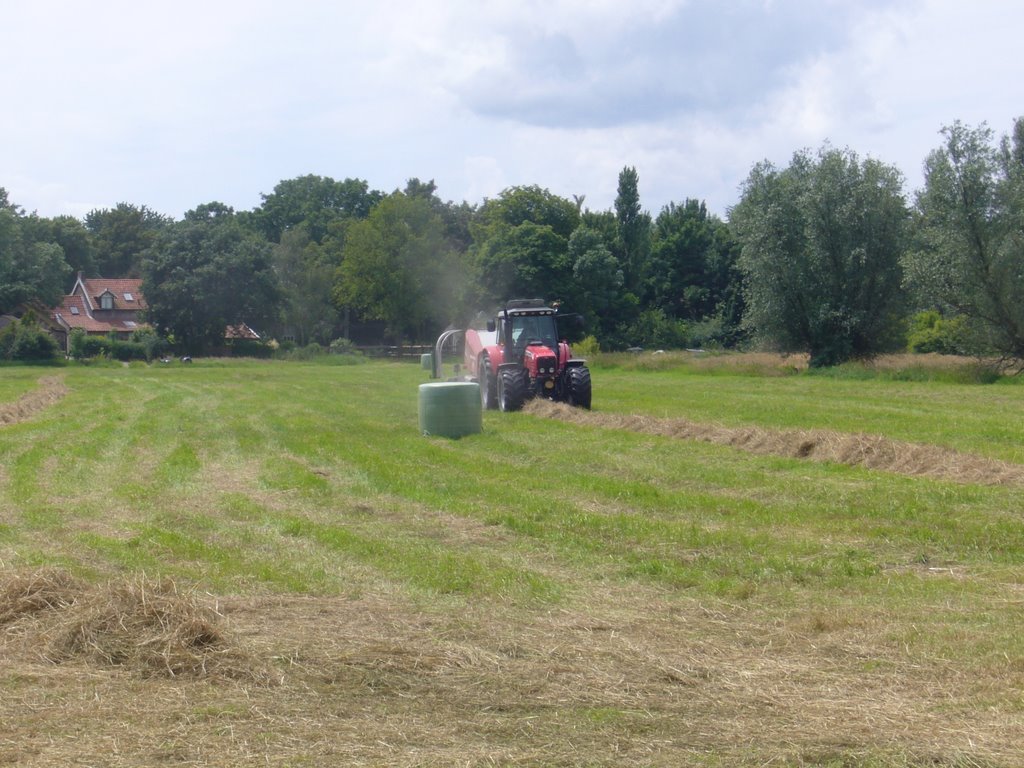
x,y
520,307
526,311
525,304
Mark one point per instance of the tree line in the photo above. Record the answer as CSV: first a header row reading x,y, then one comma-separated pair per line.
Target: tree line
x,y
825,255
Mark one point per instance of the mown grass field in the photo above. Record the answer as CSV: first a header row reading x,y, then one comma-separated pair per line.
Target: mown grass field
x,y
543,593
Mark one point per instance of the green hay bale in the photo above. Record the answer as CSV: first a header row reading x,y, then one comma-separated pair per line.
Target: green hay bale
x,y
450,408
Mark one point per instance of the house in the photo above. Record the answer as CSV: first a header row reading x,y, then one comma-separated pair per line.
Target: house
x,y
100,306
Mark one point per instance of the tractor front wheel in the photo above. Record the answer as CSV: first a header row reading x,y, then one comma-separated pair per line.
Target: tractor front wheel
x,y
579,387
511,390
488,386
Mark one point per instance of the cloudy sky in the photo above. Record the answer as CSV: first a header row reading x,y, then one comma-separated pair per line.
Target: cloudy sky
x,y
171,105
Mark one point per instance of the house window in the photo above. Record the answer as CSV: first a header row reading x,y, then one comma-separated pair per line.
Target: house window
x,y
74,310
107,301
129,297
129,323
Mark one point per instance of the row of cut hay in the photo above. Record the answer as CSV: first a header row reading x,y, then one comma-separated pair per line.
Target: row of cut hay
x,y
51,390
29,594
871,451
152,628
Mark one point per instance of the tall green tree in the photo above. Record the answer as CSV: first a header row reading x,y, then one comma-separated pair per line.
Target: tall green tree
x,y
425,189
212,211
521,245
306,277
121,235
78,246
821,243
634,231
30,267
969,250
692,262
456,216
314,201
597,281
206,273
398,267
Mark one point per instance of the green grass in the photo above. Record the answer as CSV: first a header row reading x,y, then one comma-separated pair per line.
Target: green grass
x,y
16,380
331,456
983,419
273,478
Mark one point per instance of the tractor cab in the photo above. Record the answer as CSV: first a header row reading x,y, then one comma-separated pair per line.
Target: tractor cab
x,y
523,327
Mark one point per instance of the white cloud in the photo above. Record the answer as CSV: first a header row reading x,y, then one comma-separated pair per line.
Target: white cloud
x,y
483,177
172,105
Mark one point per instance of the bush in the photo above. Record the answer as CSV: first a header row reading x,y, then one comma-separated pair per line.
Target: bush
x,y
95,346
24,340
249,348
76,341
7,336
653,328
711,333
143,346
340,352
931,332
588,347
308,352
343,347
35,345
126,350
152,344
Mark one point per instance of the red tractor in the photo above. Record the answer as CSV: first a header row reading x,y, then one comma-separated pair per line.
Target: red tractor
x,y
521,356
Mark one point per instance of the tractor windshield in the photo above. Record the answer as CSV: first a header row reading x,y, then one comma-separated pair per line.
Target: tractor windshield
x,y
527,328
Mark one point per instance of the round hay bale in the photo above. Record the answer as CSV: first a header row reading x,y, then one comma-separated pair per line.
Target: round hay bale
x,y
450,408
427,361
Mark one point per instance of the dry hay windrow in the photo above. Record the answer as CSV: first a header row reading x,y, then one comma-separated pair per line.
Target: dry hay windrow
x,y
51,390
870,451
671,675
152,628
31,593
625,675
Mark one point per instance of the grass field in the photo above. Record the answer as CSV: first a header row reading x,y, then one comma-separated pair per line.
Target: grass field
x,y
347,592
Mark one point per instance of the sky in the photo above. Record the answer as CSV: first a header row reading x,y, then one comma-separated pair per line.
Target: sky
x,y
171,105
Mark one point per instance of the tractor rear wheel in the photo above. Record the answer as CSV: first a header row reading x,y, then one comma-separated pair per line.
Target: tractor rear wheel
x,y
488,386
511,390
579,387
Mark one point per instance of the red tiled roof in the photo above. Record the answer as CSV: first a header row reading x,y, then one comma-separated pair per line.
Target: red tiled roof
x,y
240,331
90,324
96,287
